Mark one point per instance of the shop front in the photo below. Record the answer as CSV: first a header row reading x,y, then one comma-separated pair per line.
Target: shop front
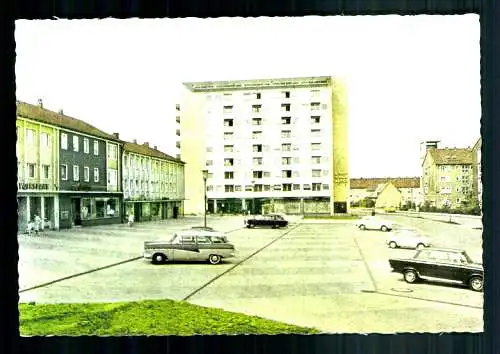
x,y
37,199
88,209
150,210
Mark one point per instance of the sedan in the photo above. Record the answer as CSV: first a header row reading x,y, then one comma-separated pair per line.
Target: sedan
x,y
408,238
374,223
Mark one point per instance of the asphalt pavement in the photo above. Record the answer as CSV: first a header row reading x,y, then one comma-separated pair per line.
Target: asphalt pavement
x,y
331,276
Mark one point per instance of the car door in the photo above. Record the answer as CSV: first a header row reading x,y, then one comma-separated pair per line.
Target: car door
x,y
204,247
453,268
438,265
186,251
424,263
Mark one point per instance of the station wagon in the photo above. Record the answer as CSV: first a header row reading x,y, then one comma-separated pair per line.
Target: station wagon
x,y
190,245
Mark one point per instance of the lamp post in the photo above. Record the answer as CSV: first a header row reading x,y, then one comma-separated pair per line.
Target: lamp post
x,y
253,198
205,176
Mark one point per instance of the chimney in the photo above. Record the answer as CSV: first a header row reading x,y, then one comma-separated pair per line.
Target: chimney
x,y
61,112
116,135
134,141
40,103
155,147
146,144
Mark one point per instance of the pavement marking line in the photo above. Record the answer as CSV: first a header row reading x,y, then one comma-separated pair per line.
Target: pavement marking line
x,y
239,263
429,300
93,270
369,271
80,274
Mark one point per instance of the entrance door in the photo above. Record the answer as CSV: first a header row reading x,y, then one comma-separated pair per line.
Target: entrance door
x,y
176,212
76,211
137,211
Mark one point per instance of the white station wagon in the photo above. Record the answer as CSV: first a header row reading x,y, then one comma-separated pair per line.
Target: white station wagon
x,y
190,245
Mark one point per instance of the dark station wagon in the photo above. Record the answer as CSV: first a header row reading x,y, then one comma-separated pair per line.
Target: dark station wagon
x,y
272,220
440,263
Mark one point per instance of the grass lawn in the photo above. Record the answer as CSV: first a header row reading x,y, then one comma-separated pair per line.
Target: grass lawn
x,y
331,217
151,317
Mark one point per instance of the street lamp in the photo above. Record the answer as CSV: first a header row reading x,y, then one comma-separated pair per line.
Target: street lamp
x,y
253,198
205,176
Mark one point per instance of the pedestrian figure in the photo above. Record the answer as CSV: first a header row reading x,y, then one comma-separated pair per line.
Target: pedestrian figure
x,y
38,222
130,220
373,212
30,227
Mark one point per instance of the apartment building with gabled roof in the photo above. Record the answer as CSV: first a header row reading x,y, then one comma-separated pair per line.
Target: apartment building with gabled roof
x,y
448,177
68,170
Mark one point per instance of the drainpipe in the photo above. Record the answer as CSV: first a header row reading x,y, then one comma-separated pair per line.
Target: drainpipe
x,y
120,183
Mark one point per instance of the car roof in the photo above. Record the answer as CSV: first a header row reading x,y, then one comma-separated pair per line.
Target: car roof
x,y
443,249
198,232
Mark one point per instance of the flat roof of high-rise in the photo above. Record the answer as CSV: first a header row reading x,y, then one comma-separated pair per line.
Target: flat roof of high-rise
x,y
210,86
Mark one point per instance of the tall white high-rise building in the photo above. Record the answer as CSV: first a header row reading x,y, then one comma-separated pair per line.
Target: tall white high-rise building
x,y
269,145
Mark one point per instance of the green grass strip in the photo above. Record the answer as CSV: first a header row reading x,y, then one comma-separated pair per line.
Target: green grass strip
x,y
150,317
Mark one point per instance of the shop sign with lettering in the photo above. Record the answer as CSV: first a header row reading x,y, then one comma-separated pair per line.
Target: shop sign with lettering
x,y
35,186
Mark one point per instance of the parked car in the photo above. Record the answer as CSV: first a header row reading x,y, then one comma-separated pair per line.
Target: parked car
x,y
374,223
440,263
390,209
190,245
272,220
407,238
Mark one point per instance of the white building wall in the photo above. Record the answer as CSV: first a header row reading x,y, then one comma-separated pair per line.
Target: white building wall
x,y
271,140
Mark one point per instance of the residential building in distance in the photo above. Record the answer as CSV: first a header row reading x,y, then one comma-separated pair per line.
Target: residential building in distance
x,y
388,196
410,193
153,183
478,183
85,169
268,145
448,177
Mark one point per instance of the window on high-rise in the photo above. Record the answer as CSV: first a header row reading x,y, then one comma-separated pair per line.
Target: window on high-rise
x,y
286,120
256,121
285,107
256,108
257,148
315,120
316,186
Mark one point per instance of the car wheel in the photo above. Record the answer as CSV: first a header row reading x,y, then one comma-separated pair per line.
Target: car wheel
x,y
159,258
214,259
384,228
420,246
393,244
410,276
476,283
362,227
248,226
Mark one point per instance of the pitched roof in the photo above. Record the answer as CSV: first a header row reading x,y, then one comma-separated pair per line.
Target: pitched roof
x,y
372,183
148,151
452,156
43,115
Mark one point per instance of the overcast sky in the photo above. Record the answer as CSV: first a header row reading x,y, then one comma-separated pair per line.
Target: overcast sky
x,y
410,78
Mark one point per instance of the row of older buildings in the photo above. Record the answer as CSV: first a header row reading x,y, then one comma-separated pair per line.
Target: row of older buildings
x,y
450,179
71,173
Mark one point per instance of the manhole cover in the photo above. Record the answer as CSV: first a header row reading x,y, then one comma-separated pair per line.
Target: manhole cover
x,y
402,290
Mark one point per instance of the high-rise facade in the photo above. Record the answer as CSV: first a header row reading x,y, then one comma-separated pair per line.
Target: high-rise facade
x,y
269,145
